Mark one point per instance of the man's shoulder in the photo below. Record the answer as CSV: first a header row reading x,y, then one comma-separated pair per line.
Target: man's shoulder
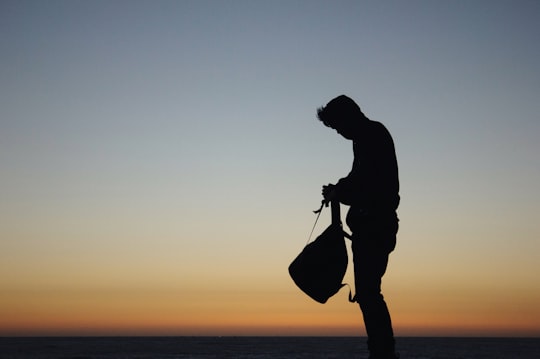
x,y
376,125
376,129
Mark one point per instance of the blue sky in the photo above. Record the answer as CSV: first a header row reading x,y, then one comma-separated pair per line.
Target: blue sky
x,y
176,141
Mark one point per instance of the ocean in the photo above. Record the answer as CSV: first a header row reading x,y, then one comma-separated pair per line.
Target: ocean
x,y
260,348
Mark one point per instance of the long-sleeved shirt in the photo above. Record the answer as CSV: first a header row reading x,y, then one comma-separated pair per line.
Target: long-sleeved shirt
x,y
372,186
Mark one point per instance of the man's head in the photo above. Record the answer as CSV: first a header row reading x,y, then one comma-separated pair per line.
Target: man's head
x,y
343,115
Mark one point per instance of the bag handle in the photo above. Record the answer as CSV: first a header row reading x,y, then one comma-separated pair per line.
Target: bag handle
x,y
336,216
334,206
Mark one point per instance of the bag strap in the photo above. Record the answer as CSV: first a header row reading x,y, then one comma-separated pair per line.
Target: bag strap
x,y
318,211
336,217
352,298
336,214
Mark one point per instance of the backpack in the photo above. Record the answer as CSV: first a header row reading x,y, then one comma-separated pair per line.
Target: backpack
x,y
319,269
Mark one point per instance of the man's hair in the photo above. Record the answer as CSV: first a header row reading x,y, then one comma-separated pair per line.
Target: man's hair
x,y
342,108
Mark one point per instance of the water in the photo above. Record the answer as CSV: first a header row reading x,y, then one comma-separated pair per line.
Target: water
x,y
260,348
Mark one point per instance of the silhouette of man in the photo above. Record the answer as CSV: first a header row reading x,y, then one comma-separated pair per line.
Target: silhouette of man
x,y
371,190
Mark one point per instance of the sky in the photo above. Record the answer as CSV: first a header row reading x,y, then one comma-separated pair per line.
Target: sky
x,y
160,161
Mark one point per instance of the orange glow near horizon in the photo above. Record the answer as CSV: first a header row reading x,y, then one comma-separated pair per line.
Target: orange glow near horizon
x,y
169,313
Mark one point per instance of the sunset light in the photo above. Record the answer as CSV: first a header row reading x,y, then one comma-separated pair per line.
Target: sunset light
x,y
161,161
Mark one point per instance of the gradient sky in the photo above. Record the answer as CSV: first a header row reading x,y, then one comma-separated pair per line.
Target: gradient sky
x,y
160,161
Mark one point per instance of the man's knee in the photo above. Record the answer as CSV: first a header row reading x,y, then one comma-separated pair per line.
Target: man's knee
x,y
367,297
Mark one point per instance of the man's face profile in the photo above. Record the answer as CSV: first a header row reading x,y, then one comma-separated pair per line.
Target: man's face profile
x,y
344,128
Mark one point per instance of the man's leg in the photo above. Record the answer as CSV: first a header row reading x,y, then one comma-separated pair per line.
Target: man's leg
x,y
370,251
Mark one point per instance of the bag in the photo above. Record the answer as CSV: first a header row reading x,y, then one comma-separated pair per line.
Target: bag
x,y
319,269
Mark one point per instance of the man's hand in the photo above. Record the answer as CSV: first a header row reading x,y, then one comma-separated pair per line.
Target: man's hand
x,y
329,192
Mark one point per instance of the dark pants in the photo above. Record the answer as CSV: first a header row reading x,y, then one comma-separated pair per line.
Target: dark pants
x,y
371,245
